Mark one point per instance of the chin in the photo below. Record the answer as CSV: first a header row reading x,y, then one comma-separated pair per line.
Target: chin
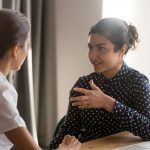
x,y
16,68
98,70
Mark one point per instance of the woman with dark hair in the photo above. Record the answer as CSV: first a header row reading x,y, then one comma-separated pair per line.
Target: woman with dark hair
x,y
14,43
114,97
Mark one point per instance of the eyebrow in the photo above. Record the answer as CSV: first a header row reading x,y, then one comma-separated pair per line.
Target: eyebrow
x,y
100,44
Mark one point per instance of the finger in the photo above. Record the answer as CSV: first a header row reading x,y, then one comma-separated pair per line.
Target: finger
x,y
79,103
81,90
93,86
66,140
76,143
77,98
84,106
72,139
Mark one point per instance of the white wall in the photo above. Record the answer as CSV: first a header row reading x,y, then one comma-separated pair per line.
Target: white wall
x,y
73,21
140,58
136,12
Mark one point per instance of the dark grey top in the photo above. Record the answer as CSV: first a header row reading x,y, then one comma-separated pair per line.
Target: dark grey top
x,y
130,88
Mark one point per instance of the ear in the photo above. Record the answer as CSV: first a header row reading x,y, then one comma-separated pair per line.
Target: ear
x,y
123,49
15,50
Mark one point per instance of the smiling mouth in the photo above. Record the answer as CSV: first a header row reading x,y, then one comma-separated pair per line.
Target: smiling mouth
x,y
96,63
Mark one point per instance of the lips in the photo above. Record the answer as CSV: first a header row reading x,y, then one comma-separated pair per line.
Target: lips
x,y
96,63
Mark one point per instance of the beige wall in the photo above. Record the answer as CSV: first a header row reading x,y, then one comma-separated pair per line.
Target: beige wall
x,y
73,21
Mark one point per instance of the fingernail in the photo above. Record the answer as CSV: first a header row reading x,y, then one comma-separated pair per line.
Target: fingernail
x,y
74,89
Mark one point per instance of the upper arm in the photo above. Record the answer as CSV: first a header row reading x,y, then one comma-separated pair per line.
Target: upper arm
x,y
141,96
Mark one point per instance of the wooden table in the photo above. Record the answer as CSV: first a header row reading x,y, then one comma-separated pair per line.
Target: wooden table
x,y
112,141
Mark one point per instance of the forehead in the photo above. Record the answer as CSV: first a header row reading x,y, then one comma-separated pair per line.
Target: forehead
x,y
95,39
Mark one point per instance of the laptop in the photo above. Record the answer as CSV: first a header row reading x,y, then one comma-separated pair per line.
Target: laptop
x,y
138,146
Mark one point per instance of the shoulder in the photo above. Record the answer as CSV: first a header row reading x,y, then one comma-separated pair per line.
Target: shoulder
x,y
137,78
8,94
83,81
137,75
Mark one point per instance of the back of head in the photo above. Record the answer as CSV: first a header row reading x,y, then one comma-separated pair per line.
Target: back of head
x,y
14,29
117,31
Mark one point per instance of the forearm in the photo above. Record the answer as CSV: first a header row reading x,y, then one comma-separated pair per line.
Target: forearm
x,y
22,139
132,121
70,126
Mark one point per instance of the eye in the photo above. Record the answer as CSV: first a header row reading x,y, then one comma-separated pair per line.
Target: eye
x,y
90,47
101,49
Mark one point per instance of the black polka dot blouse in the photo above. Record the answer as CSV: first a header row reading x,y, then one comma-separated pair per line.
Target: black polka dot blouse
x,y
130,89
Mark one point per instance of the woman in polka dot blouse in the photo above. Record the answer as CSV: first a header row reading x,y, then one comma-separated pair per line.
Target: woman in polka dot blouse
x,y
114,97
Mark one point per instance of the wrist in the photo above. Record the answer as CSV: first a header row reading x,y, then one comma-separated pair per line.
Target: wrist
x,y
109,103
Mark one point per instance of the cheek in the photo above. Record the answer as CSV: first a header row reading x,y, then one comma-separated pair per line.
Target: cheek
x,y
23,59
89,54
113,58
24,54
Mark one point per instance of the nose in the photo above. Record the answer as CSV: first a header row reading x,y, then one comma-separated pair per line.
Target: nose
x,y
93,53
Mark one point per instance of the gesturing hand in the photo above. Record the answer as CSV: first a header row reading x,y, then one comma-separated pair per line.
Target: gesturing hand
x,y
94,98
69,143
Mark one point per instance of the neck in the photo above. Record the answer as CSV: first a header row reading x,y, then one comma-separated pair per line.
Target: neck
x,y
113,71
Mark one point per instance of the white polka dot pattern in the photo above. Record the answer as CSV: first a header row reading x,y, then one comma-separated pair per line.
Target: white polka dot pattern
x,y
131,90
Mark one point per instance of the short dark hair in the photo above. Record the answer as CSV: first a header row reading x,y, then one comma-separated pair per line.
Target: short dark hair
x,y
14,29
117,31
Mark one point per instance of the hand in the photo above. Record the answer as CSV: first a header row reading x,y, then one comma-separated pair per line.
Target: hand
x,y
94,98
69,143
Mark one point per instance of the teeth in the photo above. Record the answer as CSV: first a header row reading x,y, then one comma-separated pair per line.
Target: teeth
x,y
95,63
